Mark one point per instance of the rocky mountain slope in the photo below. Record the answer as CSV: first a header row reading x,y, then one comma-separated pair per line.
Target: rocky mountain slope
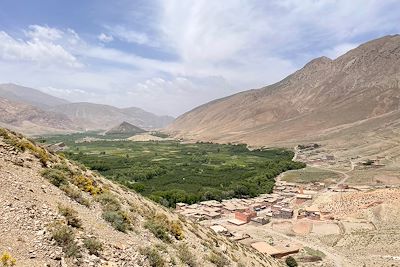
x,y
56,213
91,116
125,128
324,98
32,119
29,96
34,112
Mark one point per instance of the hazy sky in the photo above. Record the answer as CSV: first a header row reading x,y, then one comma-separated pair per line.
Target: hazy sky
x,y
169,56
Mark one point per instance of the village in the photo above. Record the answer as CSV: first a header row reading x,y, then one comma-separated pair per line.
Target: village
x,y
271,223
232,217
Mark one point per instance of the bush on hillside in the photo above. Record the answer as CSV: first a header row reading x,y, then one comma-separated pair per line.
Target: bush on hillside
x,y
56,177
118,219
87,184
93,245
154,258
71,216
75,194
218,259
65,238
291,262
6,259
186,256
163,228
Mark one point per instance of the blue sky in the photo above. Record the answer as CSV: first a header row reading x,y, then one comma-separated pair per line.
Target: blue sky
x,y
170,56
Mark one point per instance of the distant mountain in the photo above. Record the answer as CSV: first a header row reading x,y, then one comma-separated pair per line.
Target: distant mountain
x,y
150,120
31,119
29,96
91,116
324,99
37,112
125,128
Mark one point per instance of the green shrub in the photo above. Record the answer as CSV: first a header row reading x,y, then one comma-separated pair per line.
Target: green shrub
x,y
64,168
73,250
186,256
218,259
158,229
93,245
162,227
291,262
154,258
70,215
109,201
56,177
65,238
118,219
75,194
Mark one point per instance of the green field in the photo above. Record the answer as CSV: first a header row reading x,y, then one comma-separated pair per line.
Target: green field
x,y
310,175
171,172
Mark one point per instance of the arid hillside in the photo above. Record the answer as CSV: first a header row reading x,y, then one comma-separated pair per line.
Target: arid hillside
x,y
31,119
56,213
31,112
323,99
29,96
90,116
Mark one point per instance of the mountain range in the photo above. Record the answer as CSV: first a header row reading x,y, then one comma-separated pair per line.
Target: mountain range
x,y
33,112
356,95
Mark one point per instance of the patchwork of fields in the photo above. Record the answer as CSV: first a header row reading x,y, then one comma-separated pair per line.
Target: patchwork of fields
x,y
171,172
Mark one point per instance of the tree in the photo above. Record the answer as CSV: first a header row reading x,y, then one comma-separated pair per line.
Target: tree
x,y
291,262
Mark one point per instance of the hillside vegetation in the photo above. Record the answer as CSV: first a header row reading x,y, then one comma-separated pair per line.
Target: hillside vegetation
x,y
56,213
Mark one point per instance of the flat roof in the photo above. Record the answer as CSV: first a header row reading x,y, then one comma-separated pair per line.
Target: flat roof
x,y
218,228
264,247
312,208
304,196
236,222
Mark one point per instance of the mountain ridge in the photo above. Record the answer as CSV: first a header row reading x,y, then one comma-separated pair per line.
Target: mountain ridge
x,y
307,102
79,116
29,95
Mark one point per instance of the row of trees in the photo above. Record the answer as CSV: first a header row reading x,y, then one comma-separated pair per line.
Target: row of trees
x,y
250,187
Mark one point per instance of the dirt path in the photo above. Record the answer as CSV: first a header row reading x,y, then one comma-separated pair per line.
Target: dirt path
x,y
342,173
337,259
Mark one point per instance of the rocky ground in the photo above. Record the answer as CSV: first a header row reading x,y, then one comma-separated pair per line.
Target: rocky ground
x,y
369,226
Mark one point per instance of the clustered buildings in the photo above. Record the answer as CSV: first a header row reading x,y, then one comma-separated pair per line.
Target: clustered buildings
x,y
278,205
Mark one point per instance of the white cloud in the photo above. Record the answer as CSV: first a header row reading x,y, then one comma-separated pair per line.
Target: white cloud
x,y
37,50
105,38
37,32
130,36
217,48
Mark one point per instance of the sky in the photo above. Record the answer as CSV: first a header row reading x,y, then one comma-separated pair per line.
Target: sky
x,y
169,56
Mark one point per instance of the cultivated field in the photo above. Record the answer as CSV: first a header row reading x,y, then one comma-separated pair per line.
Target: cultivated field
x,y
310,175
170,172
